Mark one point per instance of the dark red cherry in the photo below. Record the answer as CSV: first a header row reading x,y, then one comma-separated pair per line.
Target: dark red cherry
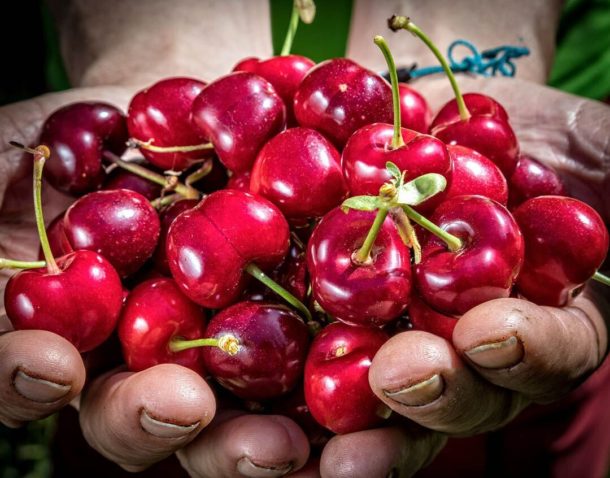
x,y
155,313
484,268
240,182
162,113
530,179
238,113
77,135
270,356
338,96
60,246
370,294
423,317
337,389
120,224
300,172
414,110
121,179
81,302
566,241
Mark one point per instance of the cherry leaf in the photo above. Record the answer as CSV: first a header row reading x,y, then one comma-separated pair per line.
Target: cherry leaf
x,y
361,203
394,171
420,189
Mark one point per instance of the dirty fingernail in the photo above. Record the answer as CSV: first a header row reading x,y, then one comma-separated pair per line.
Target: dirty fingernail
x,y
163,429
419,394
38,389
247,467
503,354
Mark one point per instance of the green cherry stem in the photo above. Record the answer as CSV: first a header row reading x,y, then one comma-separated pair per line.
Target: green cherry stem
x,y
601,278
397,139
453,243
258,274
11,264
137,143
182,189
363,255
397,22
227,343
292,30
200,173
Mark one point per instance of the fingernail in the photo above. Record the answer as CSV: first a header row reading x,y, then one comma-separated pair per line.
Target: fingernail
x,y
502,354
164,429
419,394
247,467
38,389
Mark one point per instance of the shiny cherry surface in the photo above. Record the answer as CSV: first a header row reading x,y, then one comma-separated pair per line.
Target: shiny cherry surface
x,y
530,179
566,241
162,113
300,172
415,113
155,312
273,343
121,225
81,303
338,96
77,135
371,294
337,389
238,113
484,268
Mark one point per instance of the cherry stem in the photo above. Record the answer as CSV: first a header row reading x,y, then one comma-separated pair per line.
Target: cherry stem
x,y
453,243
292,30
258,274
133,142
363,255
165,200
397,22
11,264
397,139
182,189
227,343
599,277
202,172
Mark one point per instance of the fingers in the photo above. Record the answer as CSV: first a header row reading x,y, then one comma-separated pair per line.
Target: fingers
x,y
421,377
384,452
541,352
137,419
40,372
257,446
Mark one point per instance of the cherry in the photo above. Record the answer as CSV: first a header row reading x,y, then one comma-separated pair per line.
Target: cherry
x,y
167,216
566,241
530,179
78,296
414,109
369,149
338,96
58,241
315,184
472,173
161,113
483,268
156,312
119,224
121,179
370,292
479,123
78,134
272,345
423,317
238,113
337,389
240,181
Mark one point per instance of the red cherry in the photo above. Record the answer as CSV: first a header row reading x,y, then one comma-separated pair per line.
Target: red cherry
x,y
121,225
60,246
474,174
484,268
299,171
155,313
369,294
81,302
238,113
531,179
121,179
240,182
478,104
337,389
78,134
271,353
414,109
338,96
566,241
423,317
162,113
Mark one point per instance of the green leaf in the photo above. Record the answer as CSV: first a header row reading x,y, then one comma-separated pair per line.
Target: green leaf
x,y
361,203
394,171
421,188
307,10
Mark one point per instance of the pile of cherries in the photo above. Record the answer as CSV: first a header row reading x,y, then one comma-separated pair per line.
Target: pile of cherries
x,y
301,176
